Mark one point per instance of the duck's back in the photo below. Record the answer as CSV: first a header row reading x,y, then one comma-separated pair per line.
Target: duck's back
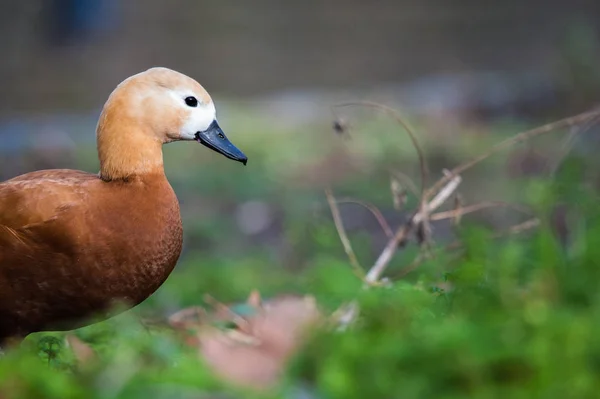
x,y
38,196
71,244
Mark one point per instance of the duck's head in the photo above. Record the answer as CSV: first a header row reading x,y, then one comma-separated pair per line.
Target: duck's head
x,y
152,108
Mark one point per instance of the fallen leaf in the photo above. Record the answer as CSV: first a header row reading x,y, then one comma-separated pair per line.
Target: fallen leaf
x,y
82,351
255,353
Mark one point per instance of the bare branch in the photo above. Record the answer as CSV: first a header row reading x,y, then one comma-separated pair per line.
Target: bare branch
x,y
388,252
442,196
523,136
441,190
567,144
346,315
474,208
390,249
339,225
374,210
527,225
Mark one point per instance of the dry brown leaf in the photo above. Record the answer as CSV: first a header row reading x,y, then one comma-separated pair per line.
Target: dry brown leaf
x,y
251,349
254,299
82,351
255,354
184,317
186,322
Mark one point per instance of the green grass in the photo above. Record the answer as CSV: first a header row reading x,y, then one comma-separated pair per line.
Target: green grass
x,y
515,317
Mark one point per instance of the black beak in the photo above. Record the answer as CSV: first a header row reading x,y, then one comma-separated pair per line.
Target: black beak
x,y
215,139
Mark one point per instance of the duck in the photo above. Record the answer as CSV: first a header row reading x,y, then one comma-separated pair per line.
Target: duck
x,y
74,244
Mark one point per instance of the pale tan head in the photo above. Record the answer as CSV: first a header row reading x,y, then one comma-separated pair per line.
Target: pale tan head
x,y
150,109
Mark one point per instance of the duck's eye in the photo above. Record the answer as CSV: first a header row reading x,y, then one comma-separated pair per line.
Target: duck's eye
x,y
191,101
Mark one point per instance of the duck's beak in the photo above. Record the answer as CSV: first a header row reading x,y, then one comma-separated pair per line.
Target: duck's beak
x,y
215,139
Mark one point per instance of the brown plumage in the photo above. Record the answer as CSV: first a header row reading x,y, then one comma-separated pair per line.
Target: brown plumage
x,y
73,243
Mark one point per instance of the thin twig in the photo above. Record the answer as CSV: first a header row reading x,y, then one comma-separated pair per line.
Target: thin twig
x,y
385,257
523,136
517,228
388,252
568,143
444,187
346,315
411,134
374,210
451,214
390,249
442,196
339,225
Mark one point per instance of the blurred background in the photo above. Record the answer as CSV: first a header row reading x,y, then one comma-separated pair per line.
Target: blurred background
x,y
466,73
67,54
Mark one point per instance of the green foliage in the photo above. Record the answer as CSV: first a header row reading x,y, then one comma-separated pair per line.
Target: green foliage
x,y
516,317
516,320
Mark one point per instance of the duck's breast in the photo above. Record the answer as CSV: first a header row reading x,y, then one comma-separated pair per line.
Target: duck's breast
x,y
137,241
112,242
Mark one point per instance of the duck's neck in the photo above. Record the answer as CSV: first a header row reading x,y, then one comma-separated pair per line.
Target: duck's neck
x,y
127,153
